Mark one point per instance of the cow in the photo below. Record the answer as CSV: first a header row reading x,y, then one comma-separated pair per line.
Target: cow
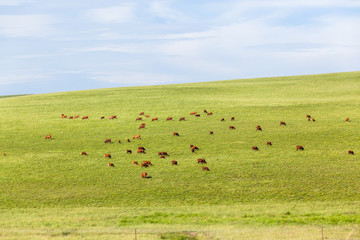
x,y
141,151
142,125
210,113
84,153
142,113
48,137
232,118
162,156
71,117
176,134
111,164
182,119
138,118
112,117
308,116
201,160
147,116
76,116
173,162
351,152
313,120
144,175
64,116
85,117
309,119
135,137
142,148
108,140
347,120
299,147
255,148
148,163
169,119
4,154
211,132
231,127
163,153
144,165
102,117
129,151
119,141
192,113
205,111
258,128
107,155
154,119
268,143
197,115
205,169
128,140
282,123
194,147
135,163
223,120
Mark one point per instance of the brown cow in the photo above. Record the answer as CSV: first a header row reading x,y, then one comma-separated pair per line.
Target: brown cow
x,y
205,111
282,123
4,154
269,143
197,115
107,155
308,116
313,120
258,128
111,164
148,163
201,160
232,118
138,118
102,117
231,127
142,148
144,165
173,162
142,125
223,120
351,152
169,119
129,151
154,119
71,117
299,147
135,137
147,116
84,153
119,141
64,116
255,148
176,134
210,113
135,163
76,116
182,119
347,120
85,117
211,132
194,147
48,137
108,140
163,153
142,113
205,169
112,117
309,119
141,151
144,175
192,113
162,156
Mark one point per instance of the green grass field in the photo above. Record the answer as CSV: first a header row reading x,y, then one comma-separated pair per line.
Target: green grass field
x,y
48,190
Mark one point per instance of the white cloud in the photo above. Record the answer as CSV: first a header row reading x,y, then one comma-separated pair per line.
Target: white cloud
x,y
116,14
26,25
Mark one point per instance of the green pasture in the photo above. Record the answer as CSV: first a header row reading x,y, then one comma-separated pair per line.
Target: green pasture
x,y
48,190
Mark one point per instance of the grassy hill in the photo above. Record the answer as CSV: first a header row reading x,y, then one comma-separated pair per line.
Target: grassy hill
x,y
276,185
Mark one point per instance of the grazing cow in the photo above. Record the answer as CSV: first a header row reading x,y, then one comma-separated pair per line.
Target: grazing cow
x,y
182,119
135,163
147,116
48,137
144,165
76,116
142,125
154,119
210,113
129,151
138,118
258,128
309,119
102,117
84,153
163,153
194,147
192,113
173,162
232,118
205,111
231,127
108,140
71,117
205,169
112,117
85,117
148,163
111,164
107,155
169,119
142,148
211,132
135,137
201,160
255,148
64,116
141,151
313,120
4,154
308,116
269,143
197,115
347,120
176,134
144,175
142,113
119,141
128,140
299,147
282,123
162,156
351,152
223,119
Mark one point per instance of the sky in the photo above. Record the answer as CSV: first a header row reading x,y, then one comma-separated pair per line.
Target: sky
x,y
55,46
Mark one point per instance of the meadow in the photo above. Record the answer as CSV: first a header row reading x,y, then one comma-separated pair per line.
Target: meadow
x,y
49,190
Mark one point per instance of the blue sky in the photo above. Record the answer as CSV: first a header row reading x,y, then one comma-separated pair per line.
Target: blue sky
x,y
51,46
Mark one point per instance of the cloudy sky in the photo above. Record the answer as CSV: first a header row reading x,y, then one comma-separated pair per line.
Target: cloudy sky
x,y
51,46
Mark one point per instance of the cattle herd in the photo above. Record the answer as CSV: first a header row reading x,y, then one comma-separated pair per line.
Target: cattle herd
x,y
162,154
